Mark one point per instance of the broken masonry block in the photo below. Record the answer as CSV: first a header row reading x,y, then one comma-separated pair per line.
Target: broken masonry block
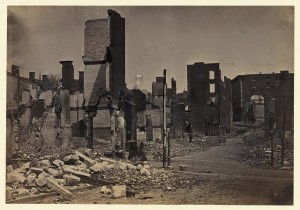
x,y
71,180
45,163
71,159
41,181
119,191
36,170
54,172
145,172
61,181
53,184
80,164
98,167
58,163
30,179
131,167
86,159
139,167
103,189
15,177
120,166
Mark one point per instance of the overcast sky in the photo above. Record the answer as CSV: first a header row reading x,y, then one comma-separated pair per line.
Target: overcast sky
x,y
243,40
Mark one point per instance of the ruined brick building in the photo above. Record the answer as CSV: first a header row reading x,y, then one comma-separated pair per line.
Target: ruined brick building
x,y
28,99
209,98
104,60
157,91
259,97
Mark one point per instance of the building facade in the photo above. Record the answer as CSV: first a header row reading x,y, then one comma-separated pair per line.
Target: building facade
x,y
209,98
259,98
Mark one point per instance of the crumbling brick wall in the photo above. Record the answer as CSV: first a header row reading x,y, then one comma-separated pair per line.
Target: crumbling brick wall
x,y
284,103
226,105
179,119
96,39
237,103
199,84
104,59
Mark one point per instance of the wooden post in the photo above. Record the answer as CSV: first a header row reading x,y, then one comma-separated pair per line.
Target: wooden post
x,y
169,150
164,120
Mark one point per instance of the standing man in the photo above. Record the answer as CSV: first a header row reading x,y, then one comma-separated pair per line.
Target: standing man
x,y
188,129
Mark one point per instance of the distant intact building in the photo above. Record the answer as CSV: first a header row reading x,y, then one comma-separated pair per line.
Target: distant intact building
x,y
259,97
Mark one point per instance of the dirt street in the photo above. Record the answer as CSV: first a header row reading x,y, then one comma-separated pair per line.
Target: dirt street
x,y
220,179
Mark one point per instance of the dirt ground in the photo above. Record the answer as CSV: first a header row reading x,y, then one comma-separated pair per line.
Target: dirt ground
x,y
221,179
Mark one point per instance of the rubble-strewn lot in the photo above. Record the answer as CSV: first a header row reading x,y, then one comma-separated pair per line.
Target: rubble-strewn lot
x,y
181,147
39,169
257,151
33,175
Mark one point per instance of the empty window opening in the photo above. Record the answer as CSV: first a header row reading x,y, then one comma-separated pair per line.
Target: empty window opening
x,y
211,75
272,105
212,88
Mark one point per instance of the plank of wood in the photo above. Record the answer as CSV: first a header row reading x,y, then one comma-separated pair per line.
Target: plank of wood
x,y
79,173
36,170
53,184
107,159
85,158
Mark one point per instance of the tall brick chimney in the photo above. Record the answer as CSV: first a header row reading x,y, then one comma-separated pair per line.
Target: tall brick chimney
x,y
32,75
81,81
67,74
104,58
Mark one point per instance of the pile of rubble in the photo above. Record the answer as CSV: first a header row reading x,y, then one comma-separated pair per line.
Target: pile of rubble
x,y
100,145
33,141
257,151
52,173
181,147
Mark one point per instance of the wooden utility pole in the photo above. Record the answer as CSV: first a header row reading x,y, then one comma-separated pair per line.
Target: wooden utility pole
x,y
164,120
169,151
